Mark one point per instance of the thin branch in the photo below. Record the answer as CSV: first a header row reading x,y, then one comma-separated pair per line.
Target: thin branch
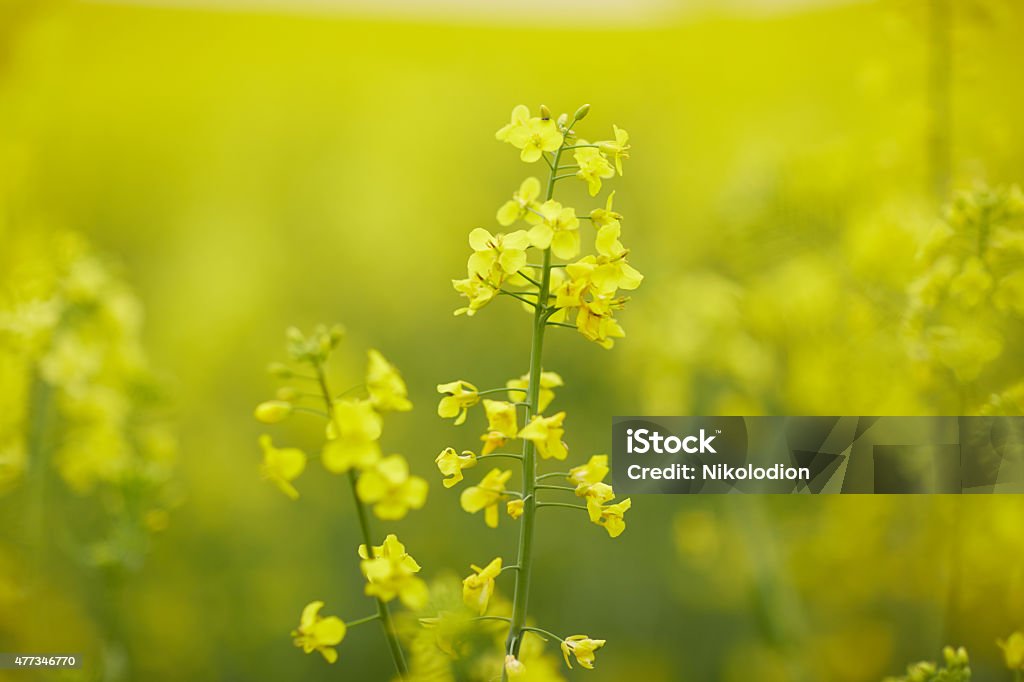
x,y
309,410
368,619
515,295
561,504
542,631
509,455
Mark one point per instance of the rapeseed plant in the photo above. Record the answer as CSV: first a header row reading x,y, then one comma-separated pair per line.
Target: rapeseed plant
x,y
87,459
383,484
559,289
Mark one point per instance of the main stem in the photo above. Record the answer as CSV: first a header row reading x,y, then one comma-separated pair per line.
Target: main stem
x,y
525,554
383,612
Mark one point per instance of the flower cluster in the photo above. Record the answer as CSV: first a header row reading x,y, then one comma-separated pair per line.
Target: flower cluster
x,y
79,396
956,668
582,292
545,435
966,310
562,288
351,447
354,426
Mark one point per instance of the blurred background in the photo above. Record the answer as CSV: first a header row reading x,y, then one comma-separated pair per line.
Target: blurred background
x,y
811,195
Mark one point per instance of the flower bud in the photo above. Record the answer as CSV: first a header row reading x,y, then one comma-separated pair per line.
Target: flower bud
x,y
288,393
514,667
545,113
581,113
955,657
337,333
273,411
294,335
563,121
325,346
279,370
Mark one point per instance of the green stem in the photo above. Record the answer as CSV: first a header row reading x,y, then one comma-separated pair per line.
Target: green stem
x,y
38,445
524,555
529,279
308,410
543,632
555,487
367,619
510,455
521,298
352,389
565,505
499,390
553,474
383,612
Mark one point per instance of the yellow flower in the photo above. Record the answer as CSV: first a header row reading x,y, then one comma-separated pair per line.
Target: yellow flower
x,y
459,396
571,292
352,437
451,465
532,135
486,495
590,473
546,434
391,572
557,227
515,508
612,271
583,648
520,115
973,282
594,320
502,424
281,466
273,411
478,587
522,201
389,487
449,631
608,271
590,290
600,217
596,494
1013,651
317,633
548,381
385,385
594,167
610,516
477,291
619,149
496,257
